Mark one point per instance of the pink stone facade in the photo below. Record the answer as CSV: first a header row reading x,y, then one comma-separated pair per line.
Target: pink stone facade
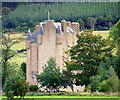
x,y
52,40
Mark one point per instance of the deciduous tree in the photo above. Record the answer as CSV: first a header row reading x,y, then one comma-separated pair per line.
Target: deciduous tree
x,y
7,54
87,54
115,40
82,24
51,76
91,22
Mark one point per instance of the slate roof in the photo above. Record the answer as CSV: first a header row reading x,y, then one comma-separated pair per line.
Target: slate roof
x,y
70,30
35,36
58,27
58,31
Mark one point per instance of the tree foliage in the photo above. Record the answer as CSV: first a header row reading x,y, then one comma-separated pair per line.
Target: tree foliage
x,y
7,54
81,23
111,81
5,11
59,11
34,88
115,36
87,54
15,84
68,74
91,22
23,67
51,77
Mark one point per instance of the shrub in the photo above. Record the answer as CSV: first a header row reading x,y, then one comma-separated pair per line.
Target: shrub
x,y
10,95
17,85
34,88
23,66
113,84
94,81
104,87
88,88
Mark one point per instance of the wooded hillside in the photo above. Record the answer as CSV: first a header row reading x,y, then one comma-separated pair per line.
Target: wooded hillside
x,y
37,12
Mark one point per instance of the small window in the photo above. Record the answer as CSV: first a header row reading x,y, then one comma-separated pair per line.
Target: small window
x,y
33,74
59,35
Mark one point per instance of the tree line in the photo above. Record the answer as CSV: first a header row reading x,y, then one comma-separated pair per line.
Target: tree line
x,y
32,13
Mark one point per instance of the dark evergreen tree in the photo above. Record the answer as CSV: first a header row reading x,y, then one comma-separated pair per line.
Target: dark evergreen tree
x,y
23,67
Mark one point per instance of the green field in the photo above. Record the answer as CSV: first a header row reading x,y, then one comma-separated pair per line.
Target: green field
x,y
104,34
68,98
22,56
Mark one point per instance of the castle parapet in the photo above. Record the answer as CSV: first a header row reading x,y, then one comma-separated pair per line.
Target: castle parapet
x,y
63,26
36,28
75,27
69,23
50,21
28,43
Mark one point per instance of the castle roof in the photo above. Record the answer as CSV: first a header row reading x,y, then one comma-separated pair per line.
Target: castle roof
x,y
70,30
58,27
59,30
35,36
29,35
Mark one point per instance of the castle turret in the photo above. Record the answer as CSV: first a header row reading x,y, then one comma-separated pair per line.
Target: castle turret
x,y
28,53
28,40
40,34
63,26
49,22
69,23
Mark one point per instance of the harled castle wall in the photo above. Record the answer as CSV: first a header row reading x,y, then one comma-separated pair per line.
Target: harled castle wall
x,y
49,45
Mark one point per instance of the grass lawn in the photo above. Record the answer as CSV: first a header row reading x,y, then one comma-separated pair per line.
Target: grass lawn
x,y
104,34
68,98
18,46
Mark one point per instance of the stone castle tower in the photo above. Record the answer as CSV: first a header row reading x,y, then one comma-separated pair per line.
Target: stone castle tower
x,y
50,39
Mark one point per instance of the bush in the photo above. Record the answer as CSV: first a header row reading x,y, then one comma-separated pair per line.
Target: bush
x,y
23,66
17,85
104,87
94,81
10,95
47,94
88,88
34,88
113,84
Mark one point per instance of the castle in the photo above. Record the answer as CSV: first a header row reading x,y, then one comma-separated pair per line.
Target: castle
x,y
50,39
